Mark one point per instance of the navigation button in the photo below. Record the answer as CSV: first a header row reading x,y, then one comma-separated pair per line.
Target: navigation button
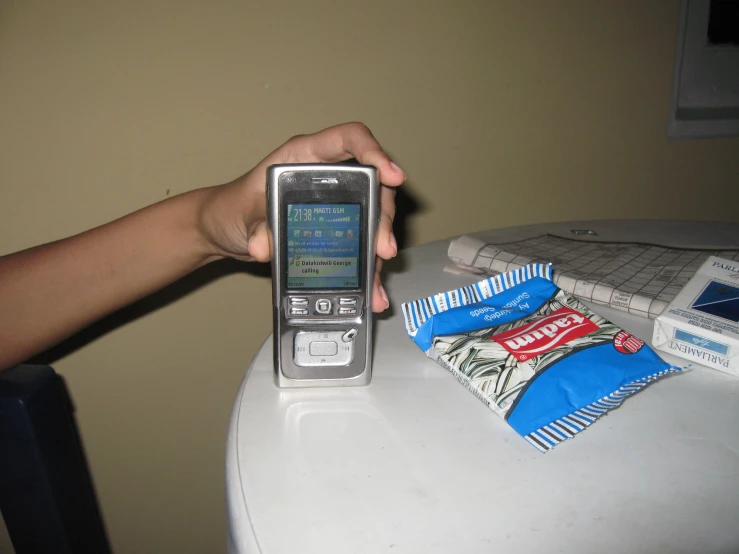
x,y
323,306
323,348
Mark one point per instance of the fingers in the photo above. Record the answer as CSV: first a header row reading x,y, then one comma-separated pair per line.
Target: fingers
x,y
380,300
359,142
385,244
355,140
339,143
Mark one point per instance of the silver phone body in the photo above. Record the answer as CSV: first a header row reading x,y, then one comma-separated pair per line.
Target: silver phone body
x,y
322,327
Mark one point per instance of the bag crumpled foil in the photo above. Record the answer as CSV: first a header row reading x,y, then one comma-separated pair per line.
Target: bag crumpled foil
x,y
534,354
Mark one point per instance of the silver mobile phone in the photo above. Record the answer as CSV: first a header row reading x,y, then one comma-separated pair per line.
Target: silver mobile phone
x,y
323,220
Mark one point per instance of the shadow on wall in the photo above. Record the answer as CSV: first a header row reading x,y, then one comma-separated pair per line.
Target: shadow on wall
x,y
171,293
406,205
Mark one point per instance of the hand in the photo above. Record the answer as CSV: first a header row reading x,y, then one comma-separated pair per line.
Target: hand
x,y
234,219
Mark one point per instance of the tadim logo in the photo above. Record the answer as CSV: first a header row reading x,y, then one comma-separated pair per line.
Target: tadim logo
x,y
626,343
545,333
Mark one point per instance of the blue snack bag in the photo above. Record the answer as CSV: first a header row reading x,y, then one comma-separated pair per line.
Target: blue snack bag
x,y
535,355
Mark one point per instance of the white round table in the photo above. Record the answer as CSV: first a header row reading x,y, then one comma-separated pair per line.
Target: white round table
x,y
415,463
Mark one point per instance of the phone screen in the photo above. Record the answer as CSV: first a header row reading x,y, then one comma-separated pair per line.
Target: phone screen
x,y
323,246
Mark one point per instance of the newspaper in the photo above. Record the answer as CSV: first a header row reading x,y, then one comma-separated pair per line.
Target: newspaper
x,y
638,278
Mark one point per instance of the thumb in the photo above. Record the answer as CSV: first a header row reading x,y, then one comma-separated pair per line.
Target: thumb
x,y
260,242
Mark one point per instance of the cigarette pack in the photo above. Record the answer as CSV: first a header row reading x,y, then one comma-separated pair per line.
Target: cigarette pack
x,y
702,323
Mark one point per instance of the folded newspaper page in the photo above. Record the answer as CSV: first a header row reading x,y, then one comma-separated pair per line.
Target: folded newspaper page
x,y
534,354
641,279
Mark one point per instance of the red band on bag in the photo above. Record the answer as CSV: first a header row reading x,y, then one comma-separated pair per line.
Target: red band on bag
x,y
545,334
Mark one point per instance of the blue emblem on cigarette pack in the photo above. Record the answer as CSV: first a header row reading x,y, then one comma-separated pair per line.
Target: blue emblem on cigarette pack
x,y
719,300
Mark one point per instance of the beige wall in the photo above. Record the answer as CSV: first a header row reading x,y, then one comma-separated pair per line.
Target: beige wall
x,y
501,113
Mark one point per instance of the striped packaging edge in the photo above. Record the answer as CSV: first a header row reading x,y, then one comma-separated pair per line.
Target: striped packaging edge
x,y
417,312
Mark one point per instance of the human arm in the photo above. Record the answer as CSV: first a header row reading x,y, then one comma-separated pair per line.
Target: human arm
x,y
51,291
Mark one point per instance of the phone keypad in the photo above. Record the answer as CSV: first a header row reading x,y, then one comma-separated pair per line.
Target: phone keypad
x,y
322,306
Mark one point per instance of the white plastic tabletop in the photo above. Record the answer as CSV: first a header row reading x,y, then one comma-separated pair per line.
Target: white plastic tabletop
x,y
414,463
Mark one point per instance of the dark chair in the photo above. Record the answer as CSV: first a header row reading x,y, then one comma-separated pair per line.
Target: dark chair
x,y
46,493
